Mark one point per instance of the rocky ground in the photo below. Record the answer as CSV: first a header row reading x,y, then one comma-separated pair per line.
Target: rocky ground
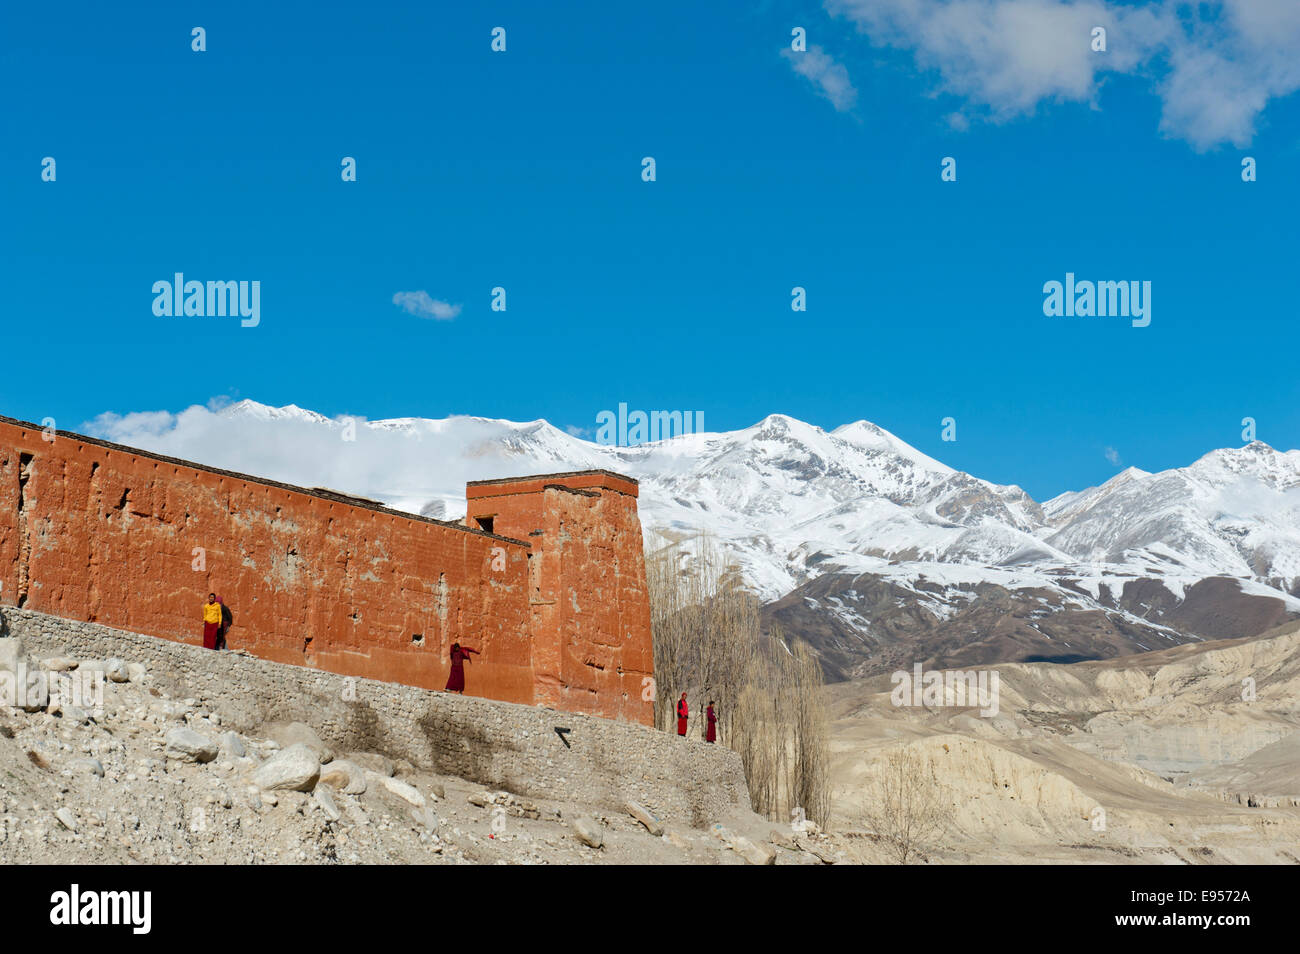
x,y
153,775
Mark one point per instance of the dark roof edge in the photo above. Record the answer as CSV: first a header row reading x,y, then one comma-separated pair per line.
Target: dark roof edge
x,y
571,473
320,494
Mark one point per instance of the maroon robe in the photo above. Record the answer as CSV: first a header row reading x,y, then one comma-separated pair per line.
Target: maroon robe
x,y
712,734
683,712
456,680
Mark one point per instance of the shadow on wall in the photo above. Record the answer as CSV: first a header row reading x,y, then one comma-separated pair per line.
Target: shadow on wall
x,y
461,746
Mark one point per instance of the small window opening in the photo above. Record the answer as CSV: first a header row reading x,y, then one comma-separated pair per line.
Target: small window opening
x,y
484,523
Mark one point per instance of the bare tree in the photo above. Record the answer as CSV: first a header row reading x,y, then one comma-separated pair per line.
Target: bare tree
x,y
906,810
708,641
810,776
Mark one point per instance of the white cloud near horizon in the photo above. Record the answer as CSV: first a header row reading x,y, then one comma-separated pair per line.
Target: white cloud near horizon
x,y
828,77
1215,66
423,305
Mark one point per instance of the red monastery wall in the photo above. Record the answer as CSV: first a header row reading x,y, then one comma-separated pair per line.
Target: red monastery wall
x,y
590,606
95,531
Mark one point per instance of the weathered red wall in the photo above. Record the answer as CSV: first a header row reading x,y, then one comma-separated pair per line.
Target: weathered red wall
x,y
95,531
591,610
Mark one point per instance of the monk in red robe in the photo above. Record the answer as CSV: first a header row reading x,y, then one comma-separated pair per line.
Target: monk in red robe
x,y
712,734
683,713
459,656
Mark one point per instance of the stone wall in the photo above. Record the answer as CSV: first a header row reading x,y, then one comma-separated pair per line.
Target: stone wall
x,y
498,744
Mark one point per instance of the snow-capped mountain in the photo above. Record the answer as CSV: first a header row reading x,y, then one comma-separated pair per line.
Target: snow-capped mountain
x,y
790,502
1234,512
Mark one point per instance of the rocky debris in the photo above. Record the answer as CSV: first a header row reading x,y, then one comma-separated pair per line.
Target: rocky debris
x,y
37,696
344,775
754,853
645,817
87,765
371,762
298,733
676,840
816,849
295,768
587,831
187,745
408,793
74,715
782,840
325,801
129,785
59,664
12,654
513,804
115,670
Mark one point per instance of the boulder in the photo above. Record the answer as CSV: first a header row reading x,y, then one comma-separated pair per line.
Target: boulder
x,y
822,854
782,840
171,711
12,653
295,768
645,817
408,793
325,801
59,664
74,714
136,671
347,777
753,852
36,695
588,832
373,763
186,745
115,669
232,744
298,733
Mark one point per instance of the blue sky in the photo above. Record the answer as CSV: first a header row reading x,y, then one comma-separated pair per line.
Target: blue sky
x,y
523,170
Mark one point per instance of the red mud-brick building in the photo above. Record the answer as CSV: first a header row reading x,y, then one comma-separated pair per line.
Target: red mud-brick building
x,y
546,578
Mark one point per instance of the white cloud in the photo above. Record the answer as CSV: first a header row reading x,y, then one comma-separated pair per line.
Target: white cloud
x,y
831,79
1112,455
422,305
1215,67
